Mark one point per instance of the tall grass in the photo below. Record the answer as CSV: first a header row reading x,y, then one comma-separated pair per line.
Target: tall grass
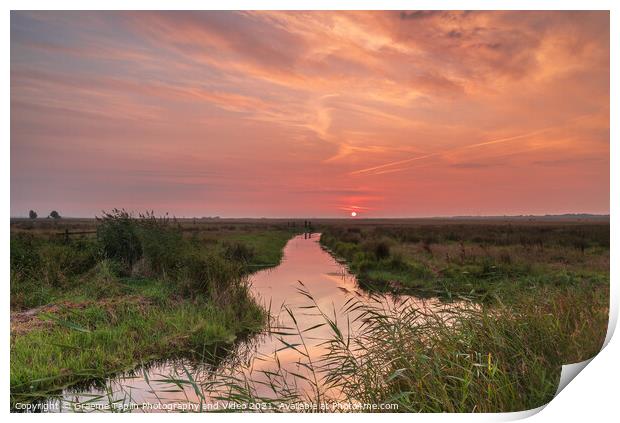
x,y
464,359
399,356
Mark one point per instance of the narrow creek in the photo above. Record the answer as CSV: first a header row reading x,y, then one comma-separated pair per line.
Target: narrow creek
x,y
327,280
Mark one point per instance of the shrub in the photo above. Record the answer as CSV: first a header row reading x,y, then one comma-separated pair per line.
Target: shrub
x,y
118,235
352,237
151,243
162,243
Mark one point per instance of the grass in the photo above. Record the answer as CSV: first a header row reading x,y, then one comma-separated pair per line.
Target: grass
x,y
506,358
471,259
532,296
102,339
266,247
541,296
45,268
401,357
142,289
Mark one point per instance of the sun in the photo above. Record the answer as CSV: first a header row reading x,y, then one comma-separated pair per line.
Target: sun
x,y
353,214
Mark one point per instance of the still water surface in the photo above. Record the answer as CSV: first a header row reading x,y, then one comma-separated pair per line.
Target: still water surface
x,y
331,286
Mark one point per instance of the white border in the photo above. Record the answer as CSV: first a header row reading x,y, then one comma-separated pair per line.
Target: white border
x,y
592,395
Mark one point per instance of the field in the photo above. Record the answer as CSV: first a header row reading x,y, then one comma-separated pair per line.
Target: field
x,y
537,290
471,258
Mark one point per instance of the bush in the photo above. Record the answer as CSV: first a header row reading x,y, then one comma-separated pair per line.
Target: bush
x,y
118,235
162,244
150,242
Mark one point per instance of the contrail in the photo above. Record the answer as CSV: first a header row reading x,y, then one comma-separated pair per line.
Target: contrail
x,y
369,169
501,140
476,145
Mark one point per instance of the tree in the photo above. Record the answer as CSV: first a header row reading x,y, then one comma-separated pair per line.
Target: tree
x,y
32,214
54,215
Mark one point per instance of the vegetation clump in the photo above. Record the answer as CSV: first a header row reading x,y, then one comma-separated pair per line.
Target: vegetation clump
x,y
117,234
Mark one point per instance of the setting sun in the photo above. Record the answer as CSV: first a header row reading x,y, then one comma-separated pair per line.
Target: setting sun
x,y
400,80
186,175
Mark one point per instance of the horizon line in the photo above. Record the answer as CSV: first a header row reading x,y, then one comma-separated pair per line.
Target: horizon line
x,y
349,217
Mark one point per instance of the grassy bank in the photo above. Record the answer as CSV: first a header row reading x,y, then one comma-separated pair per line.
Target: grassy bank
x,y
541,299
490,358
139,289
472,259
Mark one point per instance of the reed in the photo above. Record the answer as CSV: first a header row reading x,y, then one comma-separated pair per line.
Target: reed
x,y
401,357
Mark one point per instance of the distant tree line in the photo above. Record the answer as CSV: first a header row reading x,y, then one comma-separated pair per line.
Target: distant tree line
x,y
53,214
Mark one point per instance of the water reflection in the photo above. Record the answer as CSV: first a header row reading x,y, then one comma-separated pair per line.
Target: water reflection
x,y
277,357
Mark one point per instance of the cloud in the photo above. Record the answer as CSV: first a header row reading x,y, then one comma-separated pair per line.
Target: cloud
x,y
371,104
419,14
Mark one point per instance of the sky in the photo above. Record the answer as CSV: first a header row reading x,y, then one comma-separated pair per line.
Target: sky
x,y
310,114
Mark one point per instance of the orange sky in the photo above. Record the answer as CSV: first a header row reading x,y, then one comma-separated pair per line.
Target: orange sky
x,y
310,114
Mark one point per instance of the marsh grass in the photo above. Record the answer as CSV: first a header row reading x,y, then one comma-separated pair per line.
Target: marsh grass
x,y
461,357
530,300
99,340
480,259
84,309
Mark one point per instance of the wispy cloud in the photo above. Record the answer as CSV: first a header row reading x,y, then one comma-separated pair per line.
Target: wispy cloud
x,y
396,166
272,108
